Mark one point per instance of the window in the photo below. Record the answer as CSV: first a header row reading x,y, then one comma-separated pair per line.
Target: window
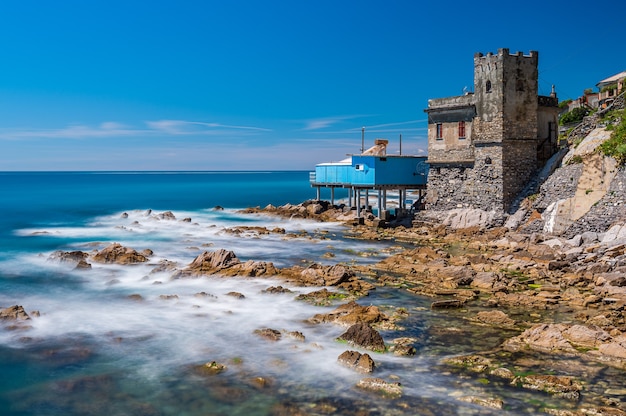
x,y
488,86
439,135
461,130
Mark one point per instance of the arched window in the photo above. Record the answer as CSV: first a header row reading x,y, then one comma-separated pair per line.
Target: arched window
x,y
488,86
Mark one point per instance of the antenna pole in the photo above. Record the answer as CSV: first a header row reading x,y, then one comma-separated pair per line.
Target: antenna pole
x,y
400,144
362,139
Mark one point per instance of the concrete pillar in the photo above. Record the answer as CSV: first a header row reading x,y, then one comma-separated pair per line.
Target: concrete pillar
x,y
367,198
332,195
358,205
318,192
379,205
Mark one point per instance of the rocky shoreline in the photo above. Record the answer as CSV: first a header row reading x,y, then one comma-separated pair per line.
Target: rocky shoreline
x,y
562,300
564,297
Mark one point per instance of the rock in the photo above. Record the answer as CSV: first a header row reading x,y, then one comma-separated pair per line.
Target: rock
x,y
268,333
224,262
14,313
363,335
559,386
490,402
276,289
502,372
68,256
207,263
495,317
484,280
361,363
210,369
236,295
318,275
468,217
351,313
378,385
117,254
446,304
167,215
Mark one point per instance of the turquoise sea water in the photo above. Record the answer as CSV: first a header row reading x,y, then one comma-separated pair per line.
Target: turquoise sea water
x,y
97,350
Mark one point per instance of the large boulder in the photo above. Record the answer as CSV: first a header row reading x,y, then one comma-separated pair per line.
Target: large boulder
x,y
363,335
225,262
14,313
115,253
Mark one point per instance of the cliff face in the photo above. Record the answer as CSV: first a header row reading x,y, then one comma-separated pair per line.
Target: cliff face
x,y
587,193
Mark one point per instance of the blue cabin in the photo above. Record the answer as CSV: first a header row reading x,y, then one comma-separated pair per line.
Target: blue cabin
x,y
374,170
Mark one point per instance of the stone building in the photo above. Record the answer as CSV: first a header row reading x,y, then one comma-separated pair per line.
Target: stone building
x,y
484,146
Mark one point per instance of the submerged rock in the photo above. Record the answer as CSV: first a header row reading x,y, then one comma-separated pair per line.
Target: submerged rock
x,y
380,386
210,369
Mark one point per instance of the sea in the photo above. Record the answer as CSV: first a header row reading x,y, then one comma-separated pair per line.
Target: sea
x,y
129,339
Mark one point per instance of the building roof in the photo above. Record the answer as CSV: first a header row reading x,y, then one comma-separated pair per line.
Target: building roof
x,y
612,79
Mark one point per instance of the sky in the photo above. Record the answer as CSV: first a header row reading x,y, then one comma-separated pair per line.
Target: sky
x,y
263,85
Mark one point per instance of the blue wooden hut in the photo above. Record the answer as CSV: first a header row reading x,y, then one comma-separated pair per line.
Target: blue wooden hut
x,y
374,171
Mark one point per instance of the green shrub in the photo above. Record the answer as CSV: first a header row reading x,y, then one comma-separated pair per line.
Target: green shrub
x,y
574,116
615,146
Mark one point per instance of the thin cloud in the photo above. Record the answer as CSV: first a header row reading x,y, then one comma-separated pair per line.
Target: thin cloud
x,y
114,129
183,127
322,123
77,131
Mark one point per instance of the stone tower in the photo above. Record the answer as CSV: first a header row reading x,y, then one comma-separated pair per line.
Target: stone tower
x,y
483,147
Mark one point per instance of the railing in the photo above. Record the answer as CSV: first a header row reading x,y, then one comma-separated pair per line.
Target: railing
x,y
312,177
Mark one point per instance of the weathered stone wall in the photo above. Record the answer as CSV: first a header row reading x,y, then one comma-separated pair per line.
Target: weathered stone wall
x,y
478,185
518,166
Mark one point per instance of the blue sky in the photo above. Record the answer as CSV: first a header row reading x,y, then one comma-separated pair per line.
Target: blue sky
x,y
263,85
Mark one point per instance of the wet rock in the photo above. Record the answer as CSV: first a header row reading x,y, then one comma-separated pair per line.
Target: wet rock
x,y
560,386
118,254
447,304
210,369
403,347
296,335
276,290
320,297
167,215
318,275
68,256
211,262
491,402
226,263
236,295
164,266
363,335
351,313
268,333
380,386
361,363
497,318
14,313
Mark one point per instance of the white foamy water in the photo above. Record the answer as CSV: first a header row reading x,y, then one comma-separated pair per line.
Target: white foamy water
x,y
153,327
